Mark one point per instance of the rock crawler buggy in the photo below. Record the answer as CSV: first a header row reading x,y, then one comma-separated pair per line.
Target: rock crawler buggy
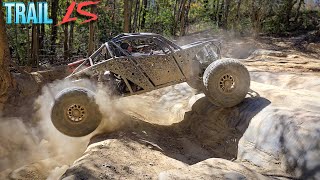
x,y
151,62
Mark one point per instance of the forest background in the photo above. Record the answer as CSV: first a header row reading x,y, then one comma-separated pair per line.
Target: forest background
x,y
34,47
38,44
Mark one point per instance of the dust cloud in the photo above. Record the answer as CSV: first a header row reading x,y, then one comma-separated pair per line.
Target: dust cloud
x,y
164,106
37,147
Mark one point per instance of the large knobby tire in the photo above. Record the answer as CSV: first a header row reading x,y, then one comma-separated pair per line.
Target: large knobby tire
x,y
226,82
75,112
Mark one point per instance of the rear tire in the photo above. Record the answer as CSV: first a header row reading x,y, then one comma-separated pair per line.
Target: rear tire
x,y
226,82
75,112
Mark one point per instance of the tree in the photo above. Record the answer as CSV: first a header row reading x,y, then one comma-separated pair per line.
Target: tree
x,y
298,11
236,21
226,13
66,39
54,28
175,18
34,44
34,61
288,6
135,15
126,14
259,9
182,16
6,81
217,12
91,31
144,13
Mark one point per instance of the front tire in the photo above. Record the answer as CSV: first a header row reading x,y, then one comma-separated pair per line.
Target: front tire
x,y
75,112
226,82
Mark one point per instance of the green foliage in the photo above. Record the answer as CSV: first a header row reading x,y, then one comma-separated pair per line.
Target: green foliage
x,y
310,19
163,17
159,21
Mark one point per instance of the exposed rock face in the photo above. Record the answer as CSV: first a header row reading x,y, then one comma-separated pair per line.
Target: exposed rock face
x,y
212,169
286,134
121,158
174,134
261,52
270,133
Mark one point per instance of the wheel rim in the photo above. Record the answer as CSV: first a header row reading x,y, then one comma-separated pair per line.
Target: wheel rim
x,y
76,113
227,84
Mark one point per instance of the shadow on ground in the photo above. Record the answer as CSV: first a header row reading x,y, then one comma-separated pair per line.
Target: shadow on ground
x,y
206,131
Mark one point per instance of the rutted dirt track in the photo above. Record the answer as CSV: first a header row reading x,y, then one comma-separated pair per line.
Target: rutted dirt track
x,y
176,133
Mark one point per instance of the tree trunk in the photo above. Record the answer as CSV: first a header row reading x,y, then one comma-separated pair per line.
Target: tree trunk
x,y
226,13
71,39
135,17
217,12
54,28
144,13
255,19
126,14
66,39
221,13
34,61
28,47
130,14
236,21
91,31
113,11
6,81
187,15
17,44
42,35
175,18
182,17
298,11
71,34
288,8
65,42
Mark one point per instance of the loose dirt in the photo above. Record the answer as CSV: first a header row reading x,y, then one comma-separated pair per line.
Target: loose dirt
x,y
175,133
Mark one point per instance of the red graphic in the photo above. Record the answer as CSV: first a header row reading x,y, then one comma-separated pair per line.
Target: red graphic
x,y
67,18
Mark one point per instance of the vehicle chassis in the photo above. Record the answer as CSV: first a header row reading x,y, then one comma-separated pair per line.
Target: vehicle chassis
x,y
148,72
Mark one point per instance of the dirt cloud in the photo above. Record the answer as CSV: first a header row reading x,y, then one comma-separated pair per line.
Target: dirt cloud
x,y
38,147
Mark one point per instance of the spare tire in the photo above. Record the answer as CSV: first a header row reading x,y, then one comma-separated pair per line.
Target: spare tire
x,y
75,112
226,82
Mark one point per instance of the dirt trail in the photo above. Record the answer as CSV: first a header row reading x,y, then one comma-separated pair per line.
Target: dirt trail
x,y
204,132
174,132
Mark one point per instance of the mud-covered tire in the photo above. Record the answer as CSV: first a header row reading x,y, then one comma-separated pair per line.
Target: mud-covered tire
x,y
75,112
226,82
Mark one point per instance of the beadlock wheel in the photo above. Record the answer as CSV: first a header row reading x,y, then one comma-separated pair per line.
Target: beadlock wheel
x,y
226,82
75,112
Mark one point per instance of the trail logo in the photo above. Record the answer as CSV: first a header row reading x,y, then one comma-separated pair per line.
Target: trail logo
x,y
37,13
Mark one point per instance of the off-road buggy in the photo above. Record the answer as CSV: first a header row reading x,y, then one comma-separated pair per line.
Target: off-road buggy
x,y
131,64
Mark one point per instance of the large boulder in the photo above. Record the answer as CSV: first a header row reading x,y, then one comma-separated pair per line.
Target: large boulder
x,y
285,135
212,169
